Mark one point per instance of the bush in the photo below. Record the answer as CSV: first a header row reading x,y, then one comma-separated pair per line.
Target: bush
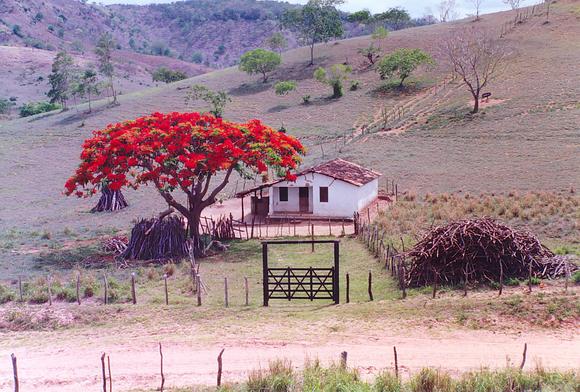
x,y
197,58
167,75
17,30
5,105
387,382
33,108
402,63
333,77
429,380
278,378
285,87
6,295
576,277
354,85
306,99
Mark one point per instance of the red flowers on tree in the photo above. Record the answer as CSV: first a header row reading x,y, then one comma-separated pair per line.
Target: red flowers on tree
x,y
181,152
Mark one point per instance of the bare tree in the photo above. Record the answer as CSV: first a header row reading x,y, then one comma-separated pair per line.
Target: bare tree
x,y
477,5
475,57
447,10
515,4
548,3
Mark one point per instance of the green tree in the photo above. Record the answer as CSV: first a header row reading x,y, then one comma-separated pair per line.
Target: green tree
x,y
334,77
197,57
361,17
394,18
87,85
276,42
5,106
284,87
104,51
167,75
402,63
260,61
216,99
60,78
371,53
380,35
318,21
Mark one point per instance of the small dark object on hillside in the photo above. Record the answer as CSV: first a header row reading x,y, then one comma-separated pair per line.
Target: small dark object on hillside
x,y
159,238
481,249
110,201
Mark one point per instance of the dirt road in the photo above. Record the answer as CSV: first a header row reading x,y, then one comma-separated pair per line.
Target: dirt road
x,y
51,362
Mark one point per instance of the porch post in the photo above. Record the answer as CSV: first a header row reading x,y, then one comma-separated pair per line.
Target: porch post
x,y
243,209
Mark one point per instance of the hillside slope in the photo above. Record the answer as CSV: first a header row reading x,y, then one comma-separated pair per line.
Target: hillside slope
x,y
527,140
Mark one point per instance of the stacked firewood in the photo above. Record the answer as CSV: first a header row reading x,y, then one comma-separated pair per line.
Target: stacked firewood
x,y
110,201
160,238
480,251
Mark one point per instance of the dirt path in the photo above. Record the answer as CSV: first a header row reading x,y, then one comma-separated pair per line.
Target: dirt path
x,y
61,363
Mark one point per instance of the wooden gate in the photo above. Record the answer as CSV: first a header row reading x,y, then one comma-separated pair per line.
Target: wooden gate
x,y
300,283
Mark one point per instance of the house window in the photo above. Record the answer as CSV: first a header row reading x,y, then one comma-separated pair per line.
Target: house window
x,y
283,193
324,194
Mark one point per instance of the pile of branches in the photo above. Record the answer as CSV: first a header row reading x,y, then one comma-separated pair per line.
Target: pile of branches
x,y
478,251
161,238
116,244
110,201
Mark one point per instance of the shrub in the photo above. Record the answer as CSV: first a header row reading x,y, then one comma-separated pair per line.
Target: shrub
x,y
430,380
576,277
5,105
512,282
278,378
333,77
285,87
387,382
33,108
167,75
306,99
6,295
17,31
197,57
354,85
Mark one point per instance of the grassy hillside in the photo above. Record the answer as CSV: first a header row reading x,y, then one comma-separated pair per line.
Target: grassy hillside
x,y
527,140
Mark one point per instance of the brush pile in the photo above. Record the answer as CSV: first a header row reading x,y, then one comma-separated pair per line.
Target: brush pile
x,y
479,250
159,238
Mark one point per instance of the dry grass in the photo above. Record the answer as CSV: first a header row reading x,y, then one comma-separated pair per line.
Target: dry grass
x,y
553,216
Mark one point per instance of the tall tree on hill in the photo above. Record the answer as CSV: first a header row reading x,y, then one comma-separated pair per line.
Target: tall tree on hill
x,y
60,78
260,61
447,10
87,85
318,21
476,57
104,52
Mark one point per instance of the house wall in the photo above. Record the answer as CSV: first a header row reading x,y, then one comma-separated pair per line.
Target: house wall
x,y
367,194
344,199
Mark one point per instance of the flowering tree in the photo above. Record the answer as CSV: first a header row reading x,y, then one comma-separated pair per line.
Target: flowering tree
x,y
182,152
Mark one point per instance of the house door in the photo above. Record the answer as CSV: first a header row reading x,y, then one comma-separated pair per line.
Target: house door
x,y
304,199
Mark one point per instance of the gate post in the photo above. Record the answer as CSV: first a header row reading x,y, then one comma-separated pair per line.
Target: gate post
x,y
336,278
265,272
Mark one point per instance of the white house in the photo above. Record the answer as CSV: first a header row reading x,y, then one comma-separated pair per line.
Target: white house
x,y
335,189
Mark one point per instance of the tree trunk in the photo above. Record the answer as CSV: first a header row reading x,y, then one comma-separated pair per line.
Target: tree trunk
x,y
193,222
337,90
312,53
475,104
113,91
110,201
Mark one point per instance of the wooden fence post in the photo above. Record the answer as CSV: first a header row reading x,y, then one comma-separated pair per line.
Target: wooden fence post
x,y
104,372
133,291
49,283
106,290
198,284
79,288
220,366
347,288
396,362
247,291
403,278
530,277
15,372
166,290
371,285
343,359
524,356
226,299
20,289
162,375
312,236
110,375
435,282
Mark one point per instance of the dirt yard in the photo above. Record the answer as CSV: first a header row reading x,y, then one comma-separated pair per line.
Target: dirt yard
x,y
71,362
